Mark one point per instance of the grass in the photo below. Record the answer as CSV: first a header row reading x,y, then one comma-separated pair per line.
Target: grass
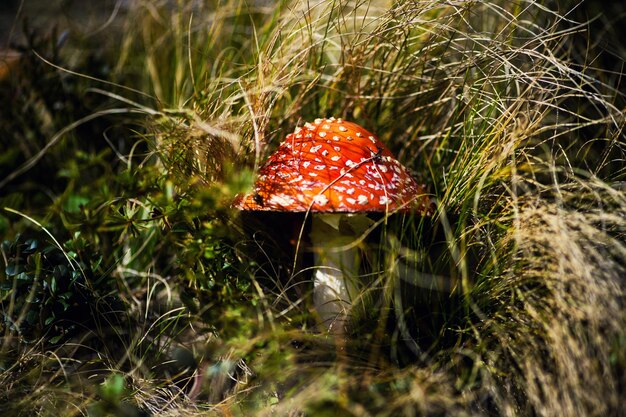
x,y
130,287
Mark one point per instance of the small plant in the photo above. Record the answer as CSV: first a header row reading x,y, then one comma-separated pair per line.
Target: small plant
x,y
49,294
112,400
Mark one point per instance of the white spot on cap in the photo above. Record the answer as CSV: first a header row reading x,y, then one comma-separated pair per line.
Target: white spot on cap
x,y
281,200
384,200
326,127
335,158
337,148
342,128
315,148
325,152
335,137
359,134
320,199
318,121
319,167
383,168
306,164
350,163
309,126
322,134
350,200
350,191
362,200
372,138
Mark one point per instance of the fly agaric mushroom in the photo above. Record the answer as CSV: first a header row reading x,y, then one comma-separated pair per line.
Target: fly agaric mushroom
x,y
334,169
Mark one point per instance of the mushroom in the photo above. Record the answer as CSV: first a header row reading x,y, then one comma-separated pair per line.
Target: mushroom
x,y
337,171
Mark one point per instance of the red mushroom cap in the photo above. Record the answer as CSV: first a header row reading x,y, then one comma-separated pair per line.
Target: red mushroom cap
x,y
333,165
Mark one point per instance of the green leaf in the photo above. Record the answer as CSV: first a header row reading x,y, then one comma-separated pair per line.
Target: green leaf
x,y
75,276
74,203
60,271
24,276
113,388
32,317
95,264
13,270
31,246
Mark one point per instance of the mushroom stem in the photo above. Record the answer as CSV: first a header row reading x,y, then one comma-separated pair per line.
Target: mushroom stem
x,y
336,264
